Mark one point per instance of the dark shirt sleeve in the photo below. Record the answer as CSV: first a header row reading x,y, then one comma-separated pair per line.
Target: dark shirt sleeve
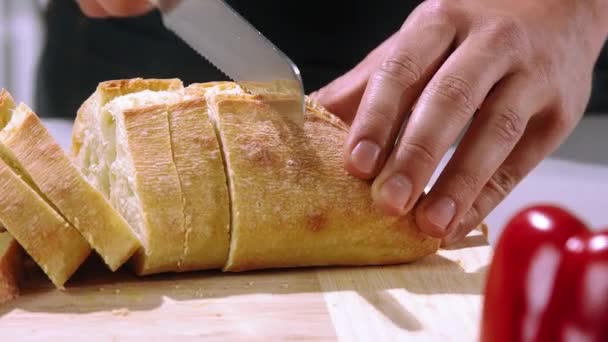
x,y
598,104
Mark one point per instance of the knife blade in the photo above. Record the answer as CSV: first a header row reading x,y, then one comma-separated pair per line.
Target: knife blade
x,y
234,46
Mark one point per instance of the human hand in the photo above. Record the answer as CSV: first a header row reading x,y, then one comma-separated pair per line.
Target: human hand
x,y
520,71
114,8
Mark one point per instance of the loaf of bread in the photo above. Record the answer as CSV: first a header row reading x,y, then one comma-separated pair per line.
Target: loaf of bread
x,y
209,176
178,179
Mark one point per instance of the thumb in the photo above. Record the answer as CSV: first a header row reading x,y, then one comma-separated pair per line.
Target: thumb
x,y
343,95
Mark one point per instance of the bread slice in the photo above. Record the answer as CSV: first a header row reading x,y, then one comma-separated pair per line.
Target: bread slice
x,y
292,203
199,164
11,267
144,182
46,236
40,157
87,134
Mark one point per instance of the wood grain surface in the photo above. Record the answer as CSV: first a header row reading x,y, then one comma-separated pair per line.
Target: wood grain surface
x,y
435,299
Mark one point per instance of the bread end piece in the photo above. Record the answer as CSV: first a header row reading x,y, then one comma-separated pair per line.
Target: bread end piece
x,y
288,186
11,267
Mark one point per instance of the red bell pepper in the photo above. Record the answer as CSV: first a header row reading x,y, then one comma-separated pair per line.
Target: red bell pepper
x,y
548,280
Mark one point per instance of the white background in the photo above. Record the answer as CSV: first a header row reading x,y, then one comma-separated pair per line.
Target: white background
x,y
21,37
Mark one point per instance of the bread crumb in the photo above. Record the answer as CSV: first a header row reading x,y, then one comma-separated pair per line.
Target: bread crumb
x,y
177,286
101,289
249,283
121,312
117,291
285,285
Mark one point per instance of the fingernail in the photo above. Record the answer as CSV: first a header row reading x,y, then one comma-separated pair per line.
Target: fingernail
x,y
365,156
441,212
396,191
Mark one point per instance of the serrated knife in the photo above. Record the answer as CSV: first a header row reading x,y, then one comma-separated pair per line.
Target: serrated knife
x,y
229,42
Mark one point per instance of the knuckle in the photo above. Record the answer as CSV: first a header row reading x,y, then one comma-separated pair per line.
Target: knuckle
x,y
507,32
375,116
440,9
402,69
434,17
509,125
543,68
562,122
502,182
419,152
456,91
507,38
465,182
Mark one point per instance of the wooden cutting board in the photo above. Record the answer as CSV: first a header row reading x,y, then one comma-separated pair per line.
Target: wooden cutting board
x,y
437,298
